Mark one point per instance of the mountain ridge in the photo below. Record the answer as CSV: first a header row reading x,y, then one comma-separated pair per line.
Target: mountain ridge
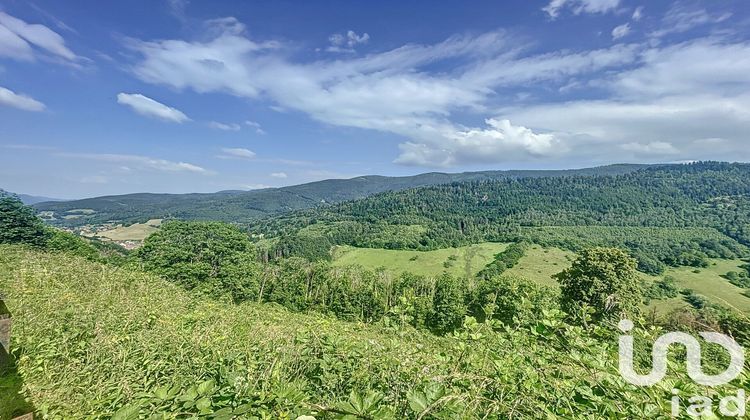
x,y
245,206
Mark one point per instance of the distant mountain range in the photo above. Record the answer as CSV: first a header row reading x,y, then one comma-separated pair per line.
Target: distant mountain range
x,y
31,199
246,206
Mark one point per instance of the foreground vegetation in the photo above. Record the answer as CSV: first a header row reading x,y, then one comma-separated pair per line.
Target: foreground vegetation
x,y
95,340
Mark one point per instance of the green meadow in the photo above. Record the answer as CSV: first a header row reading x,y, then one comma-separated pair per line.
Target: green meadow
x,y
539,264
465,261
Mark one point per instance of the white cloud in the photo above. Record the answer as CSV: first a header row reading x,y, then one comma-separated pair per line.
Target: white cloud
x,y
580,6
256,126
682,18
17,38
256,186
658,148
500,141
146,106
637,13
239,153
392,91
177,9
620,31
346,43
26,103
224,127
139,162
279,175
12,45
703,66
676,94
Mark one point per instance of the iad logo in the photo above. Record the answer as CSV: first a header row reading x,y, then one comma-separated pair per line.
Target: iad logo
x,y
659,357
728,406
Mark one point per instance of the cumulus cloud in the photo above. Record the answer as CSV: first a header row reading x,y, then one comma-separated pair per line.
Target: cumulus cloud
x,y
224,127
281,175
15,100
580,6
620,31
22,41
148,107
500,141
347,42
236,153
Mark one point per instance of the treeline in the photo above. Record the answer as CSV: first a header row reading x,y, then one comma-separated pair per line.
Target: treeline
x,y
655,248
219,260
671,200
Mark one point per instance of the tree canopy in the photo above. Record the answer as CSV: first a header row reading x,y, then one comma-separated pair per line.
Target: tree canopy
x,y
19,224
604,279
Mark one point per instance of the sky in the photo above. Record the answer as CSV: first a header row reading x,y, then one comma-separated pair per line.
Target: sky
x,y
101,98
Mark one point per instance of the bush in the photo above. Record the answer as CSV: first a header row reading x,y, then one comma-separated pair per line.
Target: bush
x,y
511,300
695,300
61,241
662,289
448,308
504,260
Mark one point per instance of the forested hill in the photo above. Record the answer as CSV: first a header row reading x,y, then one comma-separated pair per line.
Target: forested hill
x,y
673,214
244,206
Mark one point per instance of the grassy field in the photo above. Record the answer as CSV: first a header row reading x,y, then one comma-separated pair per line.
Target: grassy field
x,y
708,282
134,232
540,264
464,261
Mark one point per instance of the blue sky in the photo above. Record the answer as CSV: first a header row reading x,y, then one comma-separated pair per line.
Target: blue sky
x,y
195,96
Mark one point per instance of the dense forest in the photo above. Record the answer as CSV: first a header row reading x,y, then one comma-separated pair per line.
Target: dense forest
x,y
664,215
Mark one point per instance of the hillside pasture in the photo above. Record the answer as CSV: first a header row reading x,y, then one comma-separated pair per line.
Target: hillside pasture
x,y
134,232
539,264
464,261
